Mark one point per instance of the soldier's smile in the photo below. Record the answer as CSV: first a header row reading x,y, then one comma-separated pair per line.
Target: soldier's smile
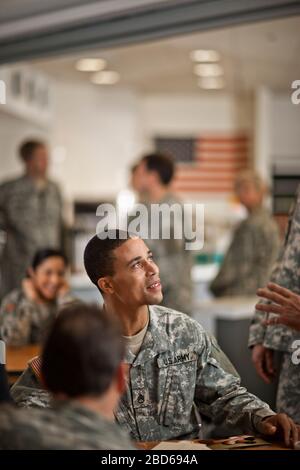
x,y
155,286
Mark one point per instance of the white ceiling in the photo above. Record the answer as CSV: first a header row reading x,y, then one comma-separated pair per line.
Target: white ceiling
x,y
262,53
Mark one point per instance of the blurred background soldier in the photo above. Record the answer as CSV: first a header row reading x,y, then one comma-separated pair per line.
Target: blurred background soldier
x,y
255,244
30,215
152,178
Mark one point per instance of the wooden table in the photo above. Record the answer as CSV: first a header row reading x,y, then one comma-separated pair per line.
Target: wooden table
x,y
274,446
17,359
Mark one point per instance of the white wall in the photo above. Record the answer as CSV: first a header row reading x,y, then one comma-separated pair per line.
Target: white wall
x,y
285,130
193,113
96,133
277,131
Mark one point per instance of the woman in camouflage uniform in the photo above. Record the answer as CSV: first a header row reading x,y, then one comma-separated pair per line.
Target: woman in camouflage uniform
x,y
26,312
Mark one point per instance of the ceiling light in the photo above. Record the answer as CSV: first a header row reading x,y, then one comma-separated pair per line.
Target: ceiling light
x,y
90,65
205,55
107,77
208,70
211,83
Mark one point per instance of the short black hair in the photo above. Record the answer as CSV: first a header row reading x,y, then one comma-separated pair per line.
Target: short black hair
x,y
44,253
27,149
82,352
163,164
98,254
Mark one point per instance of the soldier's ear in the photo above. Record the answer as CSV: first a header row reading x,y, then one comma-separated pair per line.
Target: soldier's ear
x,y
106,285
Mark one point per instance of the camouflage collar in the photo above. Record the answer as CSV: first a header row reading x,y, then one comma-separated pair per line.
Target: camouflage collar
x,y
155,342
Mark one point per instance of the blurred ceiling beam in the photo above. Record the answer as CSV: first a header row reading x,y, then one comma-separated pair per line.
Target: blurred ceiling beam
x,y
32,29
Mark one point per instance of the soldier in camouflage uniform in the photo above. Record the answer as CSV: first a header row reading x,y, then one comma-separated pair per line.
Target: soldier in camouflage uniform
x,y
26,313
168,378
152,179
254,247
171,368
84,419
265,339
30,215
173,373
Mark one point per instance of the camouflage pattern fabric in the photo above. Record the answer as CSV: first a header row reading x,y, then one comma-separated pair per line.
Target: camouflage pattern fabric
x,y
250,257
27,391
174,371
32,219
23,321
286,273
67,425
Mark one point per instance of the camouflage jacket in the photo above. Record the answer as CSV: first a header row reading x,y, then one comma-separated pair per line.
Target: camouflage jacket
x,y
68,425
32,219
175,371
286,273
27,391
23,321
250,257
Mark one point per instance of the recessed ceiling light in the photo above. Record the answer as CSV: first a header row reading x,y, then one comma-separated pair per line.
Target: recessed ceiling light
x,y
205,55
90,65
107,77
208,70
211,83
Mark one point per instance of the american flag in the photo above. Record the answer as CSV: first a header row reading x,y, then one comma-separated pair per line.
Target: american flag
x,y
209,163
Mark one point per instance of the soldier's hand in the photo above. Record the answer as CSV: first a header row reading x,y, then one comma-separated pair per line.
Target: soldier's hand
x,y
281,426
262,359
30,290
283,302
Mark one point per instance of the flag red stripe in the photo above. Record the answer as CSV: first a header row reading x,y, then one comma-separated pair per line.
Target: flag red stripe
x,y
200,161
223,140
202,189
198,170
206,155
220,150
204,178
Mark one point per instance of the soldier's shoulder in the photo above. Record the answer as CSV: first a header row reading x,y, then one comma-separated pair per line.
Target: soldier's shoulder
x,y
175,320
22,428
14,420
28,390
10,415
12,298
260,222
11,183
